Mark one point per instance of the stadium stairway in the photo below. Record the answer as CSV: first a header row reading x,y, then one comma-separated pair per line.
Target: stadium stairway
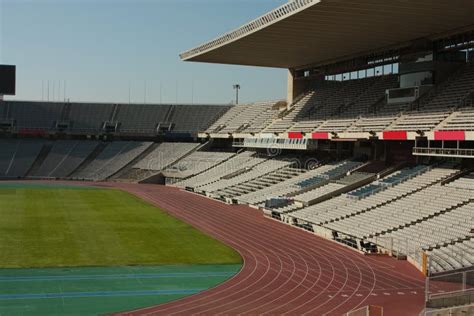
x,y
239,169
95,153
113,115
340,171
63,158
66,112
149,176
40,159
125,174
114,157
198,159
138,154
266,180
220,176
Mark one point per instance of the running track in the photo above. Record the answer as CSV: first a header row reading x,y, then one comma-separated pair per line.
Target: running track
x,y
286,271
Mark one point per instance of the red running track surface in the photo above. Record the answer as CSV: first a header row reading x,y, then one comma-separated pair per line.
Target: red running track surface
x,y
286,271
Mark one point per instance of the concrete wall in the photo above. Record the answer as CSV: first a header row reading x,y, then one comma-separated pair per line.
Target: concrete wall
x,y
295,87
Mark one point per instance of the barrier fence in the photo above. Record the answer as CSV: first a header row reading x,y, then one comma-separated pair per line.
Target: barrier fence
x,y
443,290
450,284
404,247
370,310
456,310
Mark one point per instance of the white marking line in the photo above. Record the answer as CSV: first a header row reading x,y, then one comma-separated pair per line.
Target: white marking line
x,y
214,229
221,233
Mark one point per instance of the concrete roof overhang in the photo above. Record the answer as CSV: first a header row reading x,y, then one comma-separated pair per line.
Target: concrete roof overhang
x,y
305,33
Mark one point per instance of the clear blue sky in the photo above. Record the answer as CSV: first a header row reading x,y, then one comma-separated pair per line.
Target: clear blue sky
x,y
100,46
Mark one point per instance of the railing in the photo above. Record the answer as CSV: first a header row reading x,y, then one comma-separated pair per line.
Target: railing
x,y
444,152
366,311
259,23
399,247
456,310
455,288
272,143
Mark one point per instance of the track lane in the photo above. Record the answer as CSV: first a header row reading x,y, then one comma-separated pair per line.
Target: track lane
x,y
285,270
323,278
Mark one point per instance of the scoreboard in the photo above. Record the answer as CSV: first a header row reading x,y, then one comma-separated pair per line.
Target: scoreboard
x,y
7,80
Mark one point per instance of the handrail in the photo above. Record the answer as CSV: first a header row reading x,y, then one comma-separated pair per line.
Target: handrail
x,y
259,23
443,151
447,310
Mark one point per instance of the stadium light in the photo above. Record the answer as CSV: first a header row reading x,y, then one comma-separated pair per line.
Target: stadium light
x,y
237,88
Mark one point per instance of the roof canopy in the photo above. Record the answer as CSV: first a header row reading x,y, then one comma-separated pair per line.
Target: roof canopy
x,y
314,32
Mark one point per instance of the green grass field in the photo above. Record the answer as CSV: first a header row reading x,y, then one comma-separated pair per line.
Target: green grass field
x,y
62,227
69,250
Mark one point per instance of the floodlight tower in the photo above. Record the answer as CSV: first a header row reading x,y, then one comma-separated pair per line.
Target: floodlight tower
x,y
236,88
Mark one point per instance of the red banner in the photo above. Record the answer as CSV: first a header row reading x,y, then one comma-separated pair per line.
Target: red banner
x,y
295,135
31,132
450,135
395,135
320,135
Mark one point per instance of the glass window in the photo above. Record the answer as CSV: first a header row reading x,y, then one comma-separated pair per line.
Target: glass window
x,y
395,68
378,70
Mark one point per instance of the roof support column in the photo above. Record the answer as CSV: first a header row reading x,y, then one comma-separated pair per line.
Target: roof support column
x,y
296,87
290,95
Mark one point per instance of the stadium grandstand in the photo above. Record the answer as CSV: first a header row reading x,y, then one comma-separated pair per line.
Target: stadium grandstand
x,y
369,159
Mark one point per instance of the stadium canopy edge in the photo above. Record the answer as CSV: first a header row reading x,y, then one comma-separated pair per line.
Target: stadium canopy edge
x,y
319,32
